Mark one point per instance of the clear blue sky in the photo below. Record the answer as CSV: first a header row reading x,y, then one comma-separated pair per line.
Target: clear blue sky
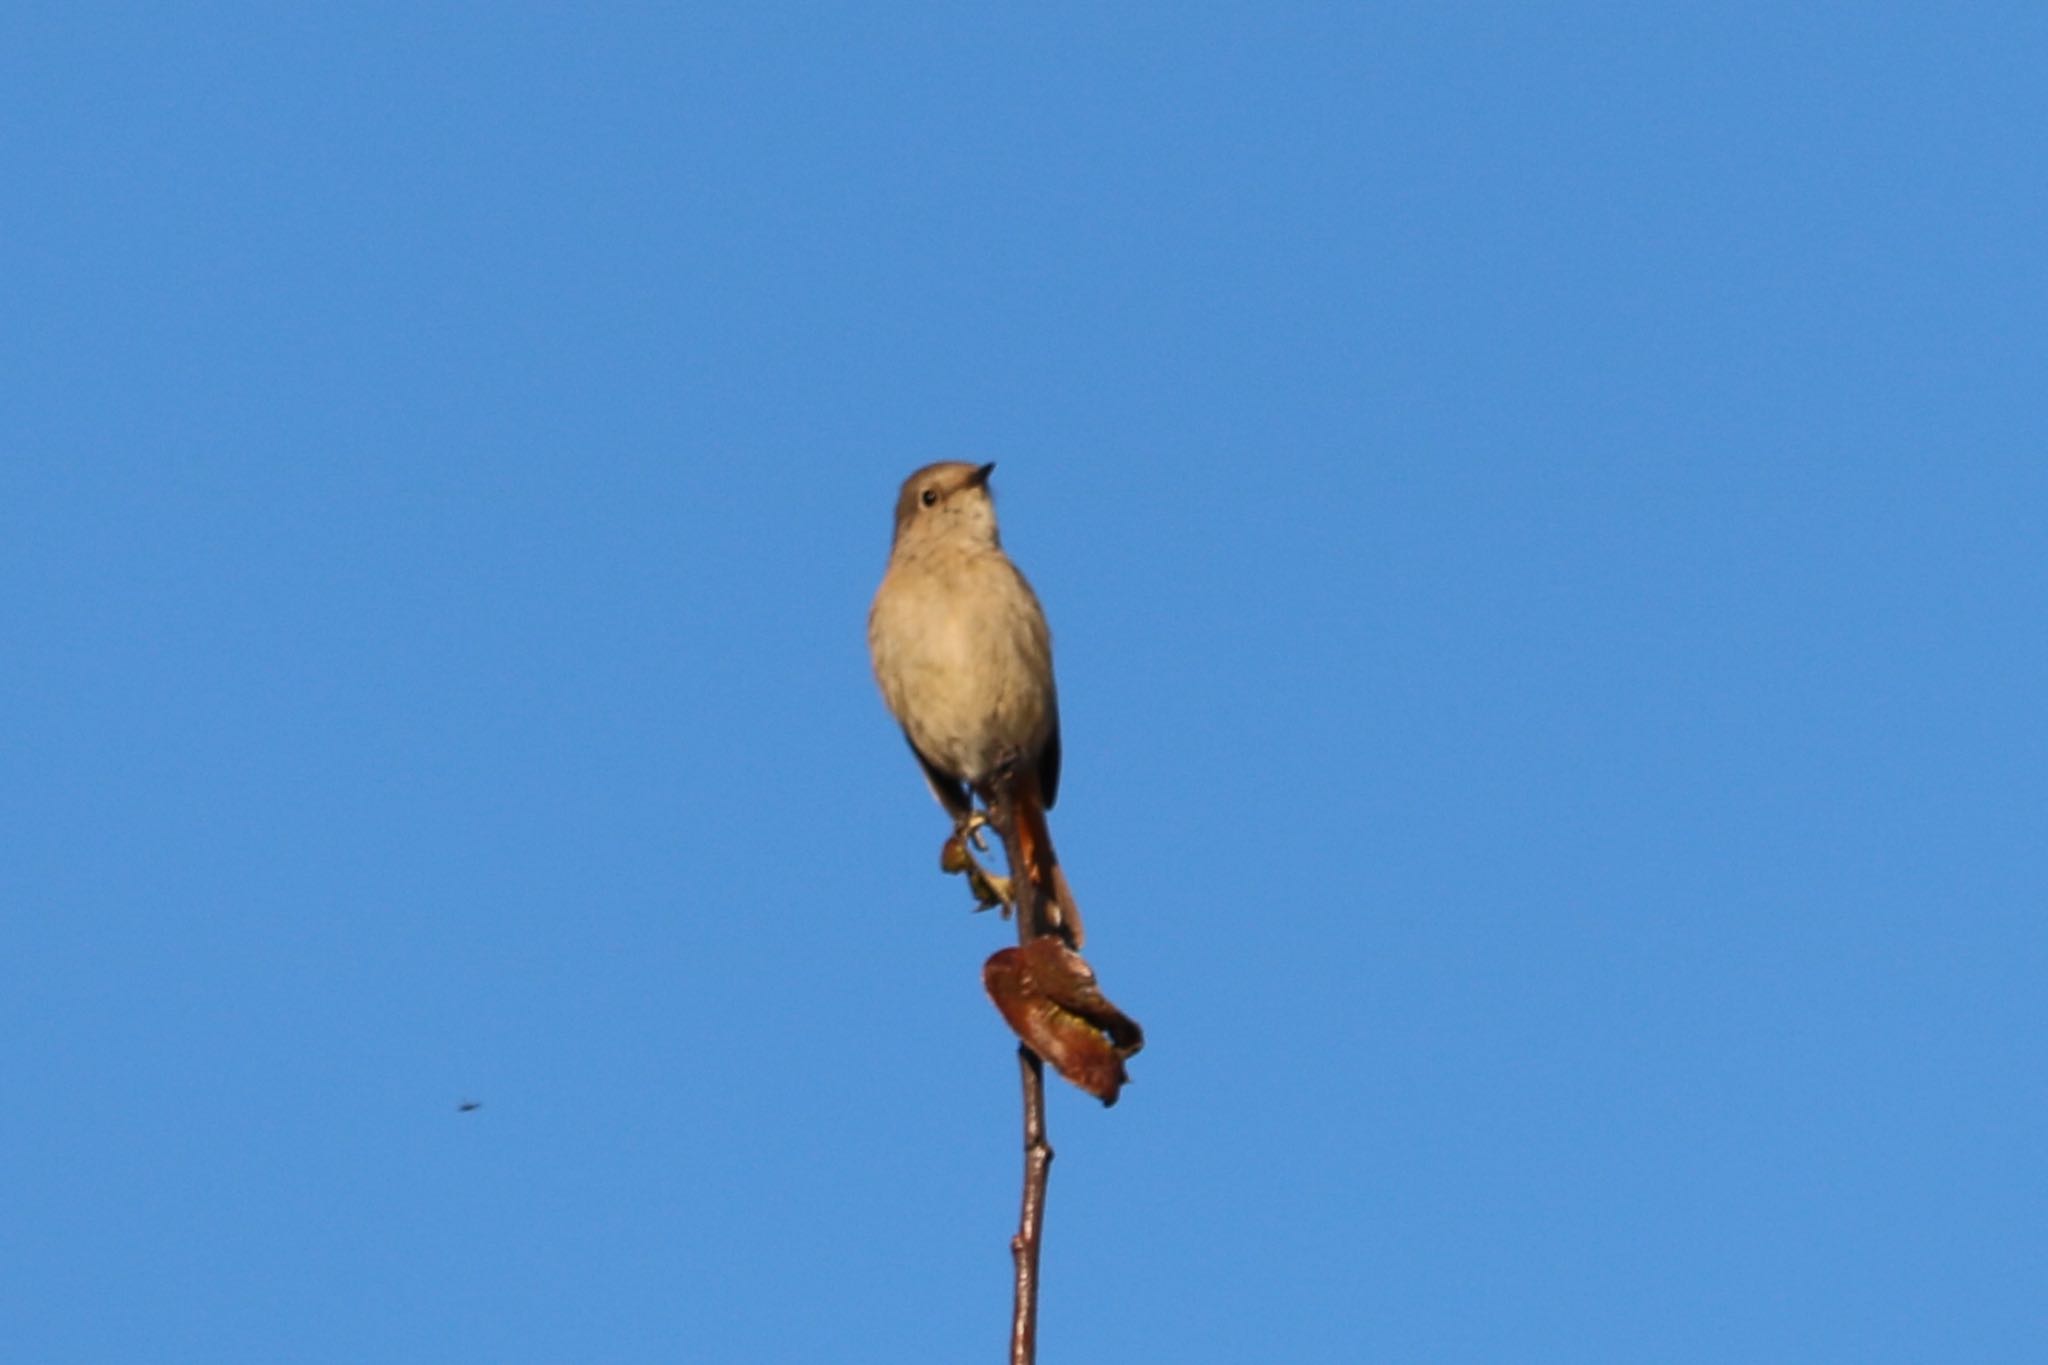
x,y
1542,510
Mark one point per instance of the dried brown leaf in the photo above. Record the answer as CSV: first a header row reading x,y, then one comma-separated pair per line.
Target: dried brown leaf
x,y
1047,994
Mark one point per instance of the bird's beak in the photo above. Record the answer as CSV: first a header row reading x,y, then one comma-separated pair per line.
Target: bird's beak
x,y
980,476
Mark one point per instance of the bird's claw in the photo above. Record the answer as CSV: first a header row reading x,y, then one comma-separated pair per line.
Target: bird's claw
x,y
989,890
971,828
992,892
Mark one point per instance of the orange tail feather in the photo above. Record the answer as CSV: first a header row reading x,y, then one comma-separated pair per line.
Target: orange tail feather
x,y
1042,865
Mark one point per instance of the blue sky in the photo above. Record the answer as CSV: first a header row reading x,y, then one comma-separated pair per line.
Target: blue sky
x,y
1542,512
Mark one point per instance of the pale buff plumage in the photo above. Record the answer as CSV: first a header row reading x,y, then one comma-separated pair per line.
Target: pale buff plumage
x,y
962,651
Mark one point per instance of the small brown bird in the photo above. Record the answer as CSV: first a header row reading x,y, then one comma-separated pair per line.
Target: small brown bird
x,y
964,658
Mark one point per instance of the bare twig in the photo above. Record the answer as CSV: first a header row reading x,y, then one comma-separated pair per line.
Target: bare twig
x,y
1025,897
1031,1219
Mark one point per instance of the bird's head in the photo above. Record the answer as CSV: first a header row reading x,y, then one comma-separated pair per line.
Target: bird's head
x,y
947,502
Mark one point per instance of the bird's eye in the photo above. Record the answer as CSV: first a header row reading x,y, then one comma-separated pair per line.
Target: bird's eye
x,y
929,497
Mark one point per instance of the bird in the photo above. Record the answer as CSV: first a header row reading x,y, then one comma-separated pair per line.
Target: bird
x,y
963,656
469,1106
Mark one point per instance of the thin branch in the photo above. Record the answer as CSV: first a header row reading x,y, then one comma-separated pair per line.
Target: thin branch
x,y
1030,913
1031,1219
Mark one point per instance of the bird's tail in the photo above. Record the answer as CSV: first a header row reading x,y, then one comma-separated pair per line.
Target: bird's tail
x,y
1042,865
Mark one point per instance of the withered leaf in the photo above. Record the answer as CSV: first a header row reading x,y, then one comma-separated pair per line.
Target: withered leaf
x,y
1047,994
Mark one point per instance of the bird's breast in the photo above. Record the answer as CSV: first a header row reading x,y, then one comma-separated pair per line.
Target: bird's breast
x,y
964,659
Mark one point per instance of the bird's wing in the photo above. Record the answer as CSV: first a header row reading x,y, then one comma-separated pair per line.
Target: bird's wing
x,y
950,790
1049,760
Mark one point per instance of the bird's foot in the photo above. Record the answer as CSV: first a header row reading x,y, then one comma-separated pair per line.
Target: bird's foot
x,y
990,891
970,827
